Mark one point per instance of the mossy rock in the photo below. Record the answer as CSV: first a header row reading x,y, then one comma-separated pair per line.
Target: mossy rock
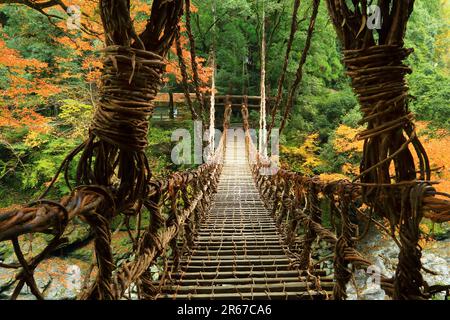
x,y
83,254
6,250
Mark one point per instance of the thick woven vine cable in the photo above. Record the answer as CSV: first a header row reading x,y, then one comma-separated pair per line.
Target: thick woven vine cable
x,y
315,216
341,269
378,78
130,81
118,134
101,289
212,107
410,282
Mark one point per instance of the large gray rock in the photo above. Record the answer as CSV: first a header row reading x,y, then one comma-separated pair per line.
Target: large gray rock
x,y
366,286
384,254
62,281
66,285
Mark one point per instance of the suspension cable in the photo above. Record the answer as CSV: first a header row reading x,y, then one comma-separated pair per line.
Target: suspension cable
x,y
212,109
262,114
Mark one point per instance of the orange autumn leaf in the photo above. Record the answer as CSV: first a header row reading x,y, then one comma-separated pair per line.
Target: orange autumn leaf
x,y
204,72
346,141
440,161
25,117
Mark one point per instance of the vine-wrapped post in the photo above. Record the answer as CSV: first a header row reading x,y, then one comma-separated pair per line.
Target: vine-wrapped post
x,y
245,124
114,156
286,199
227,114
375,66
153,205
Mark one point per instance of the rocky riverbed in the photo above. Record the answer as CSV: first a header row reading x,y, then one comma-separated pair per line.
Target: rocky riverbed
x,y
384,253
59,276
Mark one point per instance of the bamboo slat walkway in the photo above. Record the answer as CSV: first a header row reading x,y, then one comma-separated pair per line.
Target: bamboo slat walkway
x,y
238,252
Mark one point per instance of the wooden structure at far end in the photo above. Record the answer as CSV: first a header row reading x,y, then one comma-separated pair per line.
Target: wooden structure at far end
x,y
175,107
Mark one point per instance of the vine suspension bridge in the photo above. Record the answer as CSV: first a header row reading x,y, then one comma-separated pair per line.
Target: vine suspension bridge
x,y
232,227
238,251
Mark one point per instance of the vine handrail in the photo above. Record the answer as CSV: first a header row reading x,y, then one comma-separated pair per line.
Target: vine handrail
x,y
175,205
294,201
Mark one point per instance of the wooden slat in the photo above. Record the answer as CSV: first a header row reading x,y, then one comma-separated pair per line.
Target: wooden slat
x,y
219,281
301,295
243,274
246,288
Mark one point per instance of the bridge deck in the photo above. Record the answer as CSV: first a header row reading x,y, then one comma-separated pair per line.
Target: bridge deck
x,y
238,252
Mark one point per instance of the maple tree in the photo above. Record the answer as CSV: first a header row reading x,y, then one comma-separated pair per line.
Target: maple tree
x,y
304,158
346,143
21,90
20,87
173,67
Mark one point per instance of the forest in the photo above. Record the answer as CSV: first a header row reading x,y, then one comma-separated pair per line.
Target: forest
x,y
50,75
49,78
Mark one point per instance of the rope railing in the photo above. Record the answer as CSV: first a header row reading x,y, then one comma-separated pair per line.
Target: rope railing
x,y
175,206
295,202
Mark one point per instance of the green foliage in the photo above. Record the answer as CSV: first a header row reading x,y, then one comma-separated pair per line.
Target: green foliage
x,y
77,116
352,117
304,158
323,103
44,162
430,80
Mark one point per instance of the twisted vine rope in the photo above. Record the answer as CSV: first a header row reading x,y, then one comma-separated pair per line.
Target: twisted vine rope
x,y
345,241
128,72
378,78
